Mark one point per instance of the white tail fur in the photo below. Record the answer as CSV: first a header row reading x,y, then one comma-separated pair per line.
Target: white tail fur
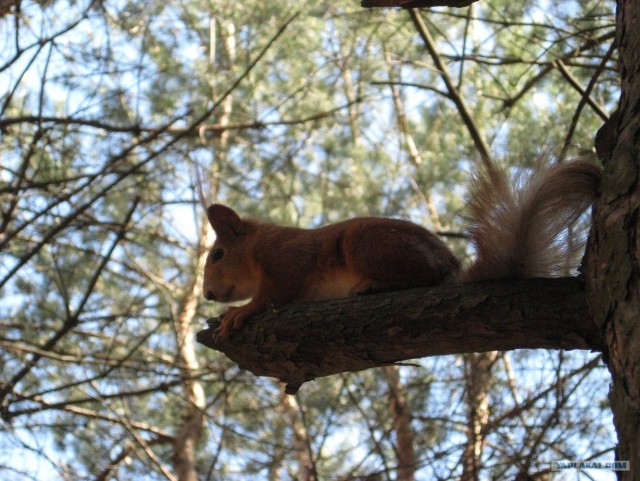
x,y
517,233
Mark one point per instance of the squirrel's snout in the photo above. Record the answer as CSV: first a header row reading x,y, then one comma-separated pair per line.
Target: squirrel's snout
x,y
209,295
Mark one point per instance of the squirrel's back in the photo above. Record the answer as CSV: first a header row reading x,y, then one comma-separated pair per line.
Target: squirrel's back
x,y
518,231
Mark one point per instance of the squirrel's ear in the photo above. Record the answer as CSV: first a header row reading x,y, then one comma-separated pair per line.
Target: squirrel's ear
x,y
225,221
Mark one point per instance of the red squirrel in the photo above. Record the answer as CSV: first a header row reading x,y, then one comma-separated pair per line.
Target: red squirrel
x,y
514,233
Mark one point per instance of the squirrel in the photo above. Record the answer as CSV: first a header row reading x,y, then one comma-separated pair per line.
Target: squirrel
x,y
514,232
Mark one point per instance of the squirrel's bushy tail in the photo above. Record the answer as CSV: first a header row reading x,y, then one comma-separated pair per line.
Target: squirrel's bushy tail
x,y
518,232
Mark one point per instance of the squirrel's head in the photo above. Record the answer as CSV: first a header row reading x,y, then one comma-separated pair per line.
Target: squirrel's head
x,y
228,272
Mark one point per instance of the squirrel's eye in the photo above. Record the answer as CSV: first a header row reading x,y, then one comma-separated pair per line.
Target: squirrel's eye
x,y
217,254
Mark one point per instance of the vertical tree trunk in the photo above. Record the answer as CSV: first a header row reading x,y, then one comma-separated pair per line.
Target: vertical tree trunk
x,y
184,452
410,145
185,443
478,374
614,255
401,416
301,443
351,93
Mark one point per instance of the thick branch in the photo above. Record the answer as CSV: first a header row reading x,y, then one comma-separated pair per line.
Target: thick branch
x,y
303,341
415,3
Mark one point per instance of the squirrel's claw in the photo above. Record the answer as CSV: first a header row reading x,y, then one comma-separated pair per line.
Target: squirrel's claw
x,y
232,320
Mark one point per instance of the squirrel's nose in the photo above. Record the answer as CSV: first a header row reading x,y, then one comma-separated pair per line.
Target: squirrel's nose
x,y
209,295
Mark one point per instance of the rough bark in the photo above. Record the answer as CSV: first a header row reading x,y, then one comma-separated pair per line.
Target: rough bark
x,y
304,341
614,257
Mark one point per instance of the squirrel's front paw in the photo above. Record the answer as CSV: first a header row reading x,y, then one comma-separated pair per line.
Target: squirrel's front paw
x,y
230,321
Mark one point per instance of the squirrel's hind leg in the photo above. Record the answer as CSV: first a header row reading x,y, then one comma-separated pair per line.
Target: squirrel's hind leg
x,y
402,256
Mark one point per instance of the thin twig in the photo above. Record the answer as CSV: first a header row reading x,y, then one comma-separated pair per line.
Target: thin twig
x,y
583,101
597,108
71,322
454,93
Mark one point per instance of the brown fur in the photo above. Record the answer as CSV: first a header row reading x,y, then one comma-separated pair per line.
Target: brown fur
x,y
513,232
274,265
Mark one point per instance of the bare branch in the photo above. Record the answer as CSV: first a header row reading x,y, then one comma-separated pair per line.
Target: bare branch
x,y
585,99
454,93
597,108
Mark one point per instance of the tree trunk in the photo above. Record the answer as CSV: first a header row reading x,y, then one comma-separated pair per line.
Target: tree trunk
x,y
478,375
184,455
614,255
400,410
185,443
301,443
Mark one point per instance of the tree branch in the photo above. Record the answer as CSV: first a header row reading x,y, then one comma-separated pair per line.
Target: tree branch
x,y
453,91
303,341
415,3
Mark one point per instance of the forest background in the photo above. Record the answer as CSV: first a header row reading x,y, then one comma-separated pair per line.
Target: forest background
x,y
302,117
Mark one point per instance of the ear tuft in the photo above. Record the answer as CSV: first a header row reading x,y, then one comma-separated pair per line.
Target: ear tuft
x,y
224,220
